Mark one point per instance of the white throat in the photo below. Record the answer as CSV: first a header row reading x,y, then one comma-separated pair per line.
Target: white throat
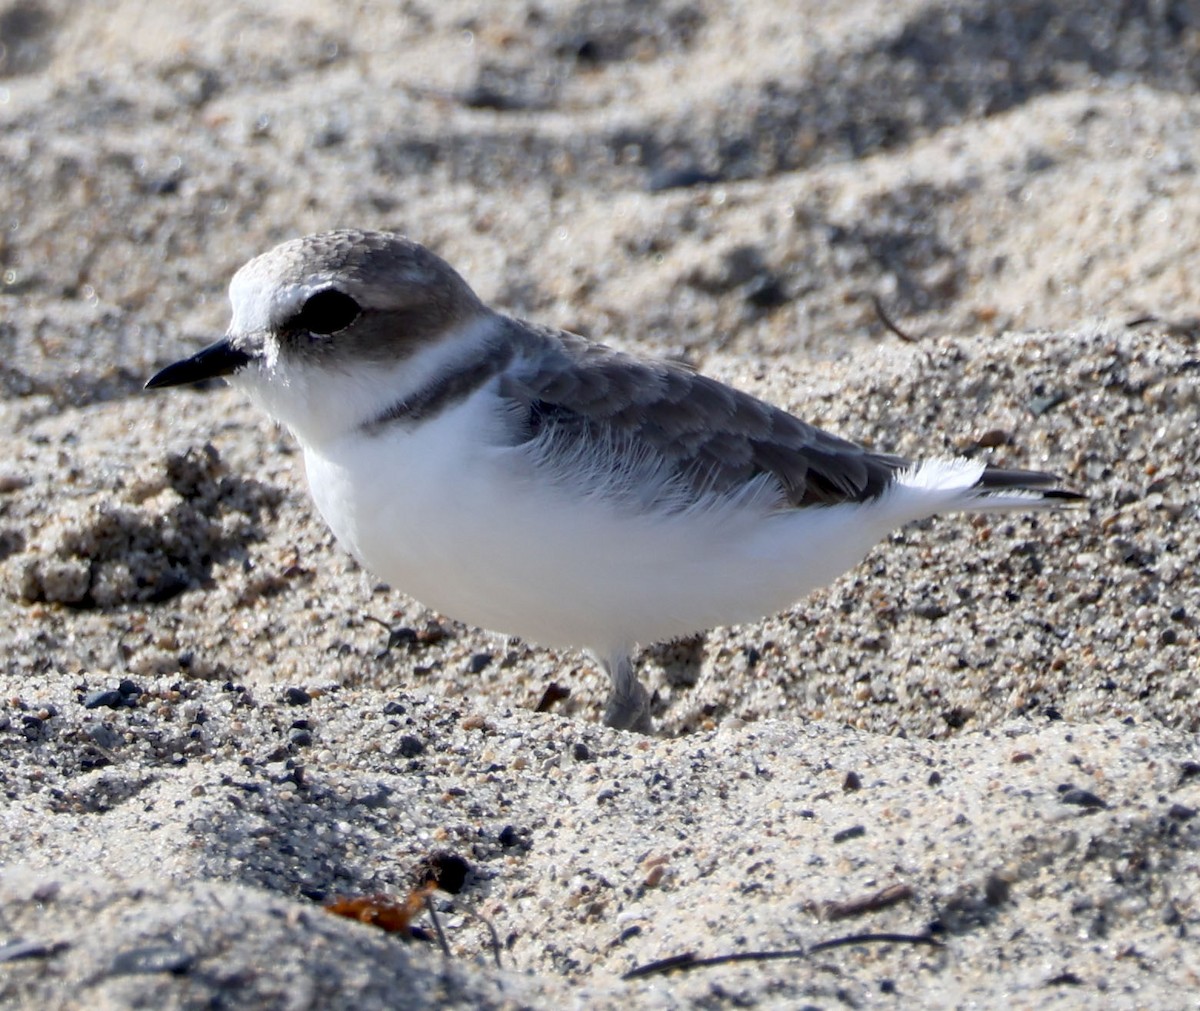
x,y
323,403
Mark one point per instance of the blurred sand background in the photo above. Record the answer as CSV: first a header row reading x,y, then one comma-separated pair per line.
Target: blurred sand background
x,y
206,727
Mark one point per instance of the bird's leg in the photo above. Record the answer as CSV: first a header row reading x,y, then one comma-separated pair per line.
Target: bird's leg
x,y
628,705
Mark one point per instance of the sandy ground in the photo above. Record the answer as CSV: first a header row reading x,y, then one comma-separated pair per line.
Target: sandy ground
x,y
984,738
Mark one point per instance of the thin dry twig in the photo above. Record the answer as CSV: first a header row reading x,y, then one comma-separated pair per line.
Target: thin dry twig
x,y
688,960
437,924
887,321
868,903
491,930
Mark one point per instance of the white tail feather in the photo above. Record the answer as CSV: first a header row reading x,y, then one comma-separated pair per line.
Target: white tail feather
x,y
952,484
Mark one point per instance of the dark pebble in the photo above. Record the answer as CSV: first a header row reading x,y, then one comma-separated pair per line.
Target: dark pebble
x,y
679,178
103,735
409,746
176,961
956,717
935,777
767,292
169,586
402,636
478,663
128,688
111,698
301,738
1181,812
328,136
996,890
579,751
296,697
930,611
846,834
851,782
1080,798
394,709
554,693
993,437
510,836
1040,405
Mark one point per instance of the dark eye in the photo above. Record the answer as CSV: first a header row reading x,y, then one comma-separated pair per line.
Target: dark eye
x,y
326,312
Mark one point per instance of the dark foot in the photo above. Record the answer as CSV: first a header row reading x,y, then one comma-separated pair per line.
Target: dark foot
x,y
628,705
629,710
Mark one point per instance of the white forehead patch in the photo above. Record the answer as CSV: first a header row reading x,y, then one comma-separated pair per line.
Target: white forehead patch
x,y
260,303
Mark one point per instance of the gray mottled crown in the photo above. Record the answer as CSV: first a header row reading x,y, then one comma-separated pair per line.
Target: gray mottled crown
x,y
407,294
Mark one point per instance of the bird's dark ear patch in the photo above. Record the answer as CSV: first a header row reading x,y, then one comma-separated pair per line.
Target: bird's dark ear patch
x,y
326,312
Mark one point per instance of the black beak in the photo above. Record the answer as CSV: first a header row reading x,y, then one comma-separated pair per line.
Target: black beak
x,y
218,359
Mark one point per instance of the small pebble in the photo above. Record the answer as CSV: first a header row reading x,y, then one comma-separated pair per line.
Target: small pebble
x,y
766,292
478,663
409,746
176,961
10,482
654,876
109,697
296,697
402,636
1081,798
104,736
681,177
846,834
993,437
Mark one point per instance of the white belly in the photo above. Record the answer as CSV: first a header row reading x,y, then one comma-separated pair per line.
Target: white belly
x,y
470,530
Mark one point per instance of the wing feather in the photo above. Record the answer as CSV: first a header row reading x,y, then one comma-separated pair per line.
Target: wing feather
x,y
712,436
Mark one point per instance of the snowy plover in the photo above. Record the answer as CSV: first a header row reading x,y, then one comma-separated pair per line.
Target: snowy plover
x,y
532,482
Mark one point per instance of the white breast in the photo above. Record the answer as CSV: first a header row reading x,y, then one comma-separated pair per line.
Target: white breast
x,y
477,531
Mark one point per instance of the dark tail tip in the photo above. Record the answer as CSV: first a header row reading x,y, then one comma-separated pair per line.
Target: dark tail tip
x,y
1040,481
1063,494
